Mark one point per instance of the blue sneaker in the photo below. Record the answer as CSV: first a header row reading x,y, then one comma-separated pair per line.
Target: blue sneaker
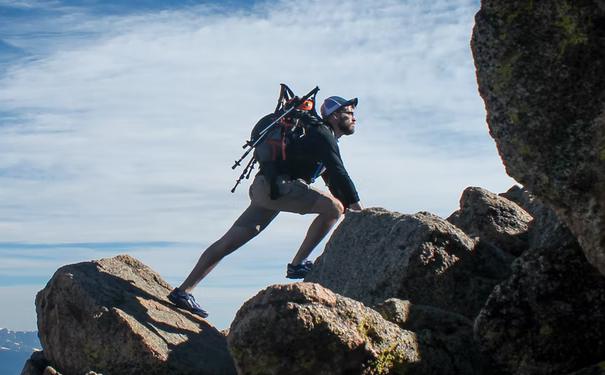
x,y
299,271
186,302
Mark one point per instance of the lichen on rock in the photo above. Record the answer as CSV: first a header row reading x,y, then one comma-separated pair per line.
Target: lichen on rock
x,y
541,72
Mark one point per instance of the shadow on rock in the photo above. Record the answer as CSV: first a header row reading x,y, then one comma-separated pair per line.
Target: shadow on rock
x,y
549,317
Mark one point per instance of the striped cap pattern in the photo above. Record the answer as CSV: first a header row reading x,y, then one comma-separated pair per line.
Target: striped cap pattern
x,y
333,103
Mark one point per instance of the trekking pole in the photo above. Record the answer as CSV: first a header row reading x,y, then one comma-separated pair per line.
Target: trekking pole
x,y
295,103
250,166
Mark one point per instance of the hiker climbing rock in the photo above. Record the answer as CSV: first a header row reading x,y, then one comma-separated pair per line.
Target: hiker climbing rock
x,y
293,147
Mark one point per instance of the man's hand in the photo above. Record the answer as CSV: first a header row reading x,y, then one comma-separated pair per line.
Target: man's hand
x,y
356,206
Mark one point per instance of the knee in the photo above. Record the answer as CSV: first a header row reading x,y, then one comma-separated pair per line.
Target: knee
x,y
329,207
336,209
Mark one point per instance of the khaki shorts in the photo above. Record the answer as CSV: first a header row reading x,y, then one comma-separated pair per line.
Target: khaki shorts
x,y
294,196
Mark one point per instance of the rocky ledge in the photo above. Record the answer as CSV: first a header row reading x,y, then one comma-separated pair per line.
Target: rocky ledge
x,y
507,291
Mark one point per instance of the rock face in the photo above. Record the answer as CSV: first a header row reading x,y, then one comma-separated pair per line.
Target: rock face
x,y
376,254
112,316
541,71
549,317
494,219
304,328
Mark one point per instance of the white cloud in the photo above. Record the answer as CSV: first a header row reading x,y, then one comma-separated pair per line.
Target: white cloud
x,y
27,3
125,127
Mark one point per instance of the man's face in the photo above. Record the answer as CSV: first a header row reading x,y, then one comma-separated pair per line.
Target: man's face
x,y
346,120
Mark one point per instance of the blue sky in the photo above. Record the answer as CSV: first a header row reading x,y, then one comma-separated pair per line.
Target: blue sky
x,y
120,120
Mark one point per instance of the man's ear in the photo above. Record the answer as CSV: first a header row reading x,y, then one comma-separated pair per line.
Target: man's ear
x,y
335,117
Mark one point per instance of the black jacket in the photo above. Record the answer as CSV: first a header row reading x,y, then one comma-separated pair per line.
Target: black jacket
x,y
318,148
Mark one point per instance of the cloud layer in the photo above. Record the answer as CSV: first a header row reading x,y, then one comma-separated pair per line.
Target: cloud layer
x,y
122,128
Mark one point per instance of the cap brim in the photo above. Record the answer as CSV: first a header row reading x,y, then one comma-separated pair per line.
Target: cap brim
x,y
352,102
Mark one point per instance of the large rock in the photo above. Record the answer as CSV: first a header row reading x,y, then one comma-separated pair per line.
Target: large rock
x,y
375,255
548,318
304,328
541,71
494,219
112,316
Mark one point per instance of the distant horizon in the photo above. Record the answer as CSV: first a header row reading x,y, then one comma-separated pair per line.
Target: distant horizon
x,y
10,330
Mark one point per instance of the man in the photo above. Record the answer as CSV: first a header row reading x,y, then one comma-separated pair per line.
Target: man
x,y
316,153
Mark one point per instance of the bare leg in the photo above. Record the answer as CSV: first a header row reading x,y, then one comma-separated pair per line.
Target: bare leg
x,y
330,209
231,241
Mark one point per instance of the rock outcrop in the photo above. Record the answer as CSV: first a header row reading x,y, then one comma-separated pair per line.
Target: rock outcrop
x,y
493,219
409,294
376,254
112,316
306,329
541,72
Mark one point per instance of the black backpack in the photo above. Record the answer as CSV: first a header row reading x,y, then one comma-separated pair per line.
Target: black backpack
x,y
272,135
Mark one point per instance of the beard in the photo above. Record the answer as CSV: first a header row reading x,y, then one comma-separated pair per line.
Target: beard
x,y
346,127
